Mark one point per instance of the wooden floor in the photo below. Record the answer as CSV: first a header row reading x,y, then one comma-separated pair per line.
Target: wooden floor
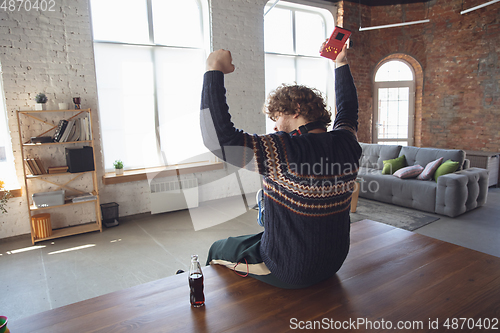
x,y
391,277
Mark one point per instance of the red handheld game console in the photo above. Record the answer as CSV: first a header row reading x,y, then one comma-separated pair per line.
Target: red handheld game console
x,y
334,45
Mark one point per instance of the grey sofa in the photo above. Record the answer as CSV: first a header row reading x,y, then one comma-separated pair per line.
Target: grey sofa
x,y
453,194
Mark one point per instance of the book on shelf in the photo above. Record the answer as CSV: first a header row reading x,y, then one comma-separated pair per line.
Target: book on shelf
x,y
35,166
88,129
75,132
85,129
29,166
61,127
82,130
40,166
67,132
58,169
41,139
84,197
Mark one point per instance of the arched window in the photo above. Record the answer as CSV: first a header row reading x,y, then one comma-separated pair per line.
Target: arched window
x,y
394,70
395,103
150,59
293,35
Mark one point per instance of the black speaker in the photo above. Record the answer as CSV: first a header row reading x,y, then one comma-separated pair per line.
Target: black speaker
x,y
80,159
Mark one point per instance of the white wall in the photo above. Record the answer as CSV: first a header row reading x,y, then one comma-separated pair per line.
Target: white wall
x,y
52,52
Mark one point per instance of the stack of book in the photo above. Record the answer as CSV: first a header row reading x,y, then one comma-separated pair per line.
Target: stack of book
x,y
35,166
85,197
73,130
58,169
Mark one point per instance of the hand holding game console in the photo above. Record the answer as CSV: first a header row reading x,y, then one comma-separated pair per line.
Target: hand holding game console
x,y
341,59
220,60
335,47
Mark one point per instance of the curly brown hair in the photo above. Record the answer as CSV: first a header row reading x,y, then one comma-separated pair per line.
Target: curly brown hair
x,y
290,99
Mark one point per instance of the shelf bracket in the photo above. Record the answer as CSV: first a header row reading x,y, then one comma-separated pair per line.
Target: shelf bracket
x,y
50,124
60,186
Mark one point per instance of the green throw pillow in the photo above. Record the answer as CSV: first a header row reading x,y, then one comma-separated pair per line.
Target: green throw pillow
x,y
391,166
445,168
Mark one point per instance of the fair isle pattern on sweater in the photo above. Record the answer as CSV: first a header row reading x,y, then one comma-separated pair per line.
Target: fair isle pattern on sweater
x,y
304,194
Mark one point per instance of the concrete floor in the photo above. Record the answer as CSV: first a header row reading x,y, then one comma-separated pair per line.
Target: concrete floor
x,y
478,229
148,247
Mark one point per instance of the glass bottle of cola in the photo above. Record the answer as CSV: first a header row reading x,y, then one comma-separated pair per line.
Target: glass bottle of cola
x,y
197,296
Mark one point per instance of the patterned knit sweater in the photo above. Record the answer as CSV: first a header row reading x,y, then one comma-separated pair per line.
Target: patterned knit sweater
x,y
308,181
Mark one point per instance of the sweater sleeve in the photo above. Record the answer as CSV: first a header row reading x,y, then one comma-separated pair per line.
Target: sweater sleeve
x,y
219,134
347,100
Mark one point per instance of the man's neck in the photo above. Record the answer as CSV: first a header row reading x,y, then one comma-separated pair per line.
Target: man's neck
x,y
314,130
317,130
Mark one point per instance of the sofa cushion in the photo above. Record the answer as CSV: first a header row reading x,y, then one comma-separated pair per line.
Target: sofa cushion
x,y
415,194
429,170
375,185
373,155
409,171
447,167
422,156
391,166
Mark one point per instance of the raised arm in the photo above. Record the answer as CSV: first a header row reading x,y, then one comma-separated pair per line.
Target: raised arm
x,y
346,95
219,134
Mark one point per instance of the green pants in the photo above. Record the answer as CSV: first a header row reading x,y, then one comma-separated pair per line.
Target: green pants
x,y
242,254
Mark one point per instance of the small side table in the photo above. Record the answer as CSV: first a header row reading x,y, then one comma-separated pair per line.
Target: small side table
x,y
486,160
355,194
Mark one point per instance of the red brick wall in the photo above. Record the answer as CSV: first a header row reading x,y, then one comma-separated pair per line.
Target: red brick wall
x,y
459,55
361,66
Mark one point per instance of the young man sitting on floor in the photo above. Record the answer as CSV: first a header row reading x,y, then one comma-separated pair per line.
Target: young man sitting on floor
x,y
309,175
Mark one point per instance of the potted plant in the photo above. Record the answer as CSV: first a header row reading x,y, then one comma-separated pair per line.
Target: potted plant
x,y
40,99
118,164
4,196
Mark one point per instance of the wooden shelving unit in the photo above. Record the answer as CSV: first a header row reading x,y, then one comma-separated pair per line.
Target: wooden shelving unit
x,y
66,177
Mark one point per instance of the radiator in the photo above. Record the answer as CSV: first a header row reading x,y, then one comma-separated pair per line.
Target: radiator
x,y
168,196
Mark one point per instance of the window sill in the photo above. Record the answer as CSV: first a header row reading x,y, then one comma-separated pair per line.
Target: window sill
x,y
172,170
16,193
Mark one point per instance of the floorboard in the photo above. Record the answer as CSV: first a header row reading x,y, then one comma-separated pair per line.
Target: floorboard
x,y
391,276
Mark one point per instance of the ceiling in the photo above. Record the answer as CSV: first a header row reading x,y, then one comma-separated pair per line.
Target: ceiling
x,y
382,2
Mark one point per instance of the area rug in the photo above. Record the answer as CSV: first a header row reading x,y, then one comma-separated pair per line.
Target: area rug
x,y
400,217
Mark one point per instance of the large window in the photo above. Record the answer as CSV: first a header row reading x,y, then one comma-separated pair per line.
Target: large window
x,y
150,59
7,167
293,35
394,114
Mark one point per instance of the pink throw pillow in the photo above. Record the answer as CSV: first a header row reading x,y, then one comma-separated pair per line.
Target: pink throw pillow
x,y
429,170
408,172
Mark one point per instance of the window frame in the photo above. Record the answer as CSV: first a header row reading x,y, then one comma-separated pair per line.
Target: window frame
x,y
329,21
204,24
411,103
